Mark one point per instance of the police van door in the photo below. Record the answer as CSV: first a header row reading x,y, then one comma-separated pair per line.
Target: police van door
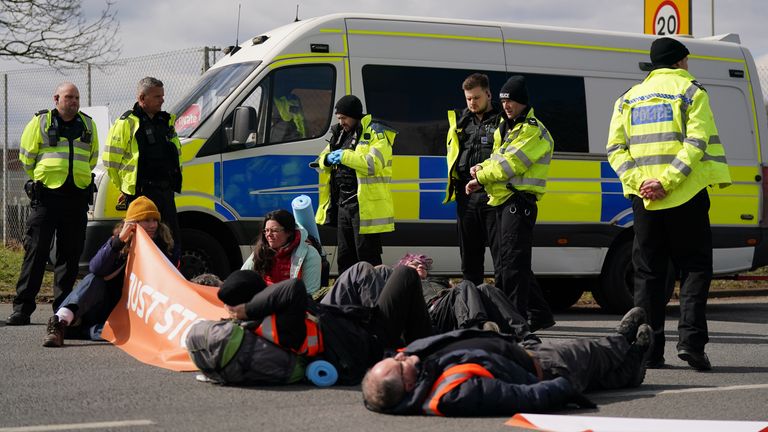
x,y
293,101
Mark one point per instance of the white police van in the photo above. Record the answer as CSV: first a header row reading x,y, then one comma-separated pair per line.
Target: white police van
x,y
262,113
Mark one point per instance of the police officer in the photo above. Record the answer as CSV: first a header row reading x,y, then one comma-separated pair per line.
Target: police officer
x,y
470,141
143,155
515,177
663,145
355,174
59,148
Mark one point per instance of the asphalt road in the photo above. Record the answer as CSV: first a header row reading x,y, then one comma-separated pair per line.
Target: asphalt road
x,y
97,386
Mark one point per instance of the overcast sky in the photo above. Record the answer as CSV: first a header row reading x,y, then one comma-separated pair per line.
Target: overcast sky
x,y
152,26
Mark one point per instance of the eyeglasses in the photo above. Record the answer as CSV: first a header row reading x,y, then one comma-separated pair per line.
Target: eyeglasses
x,y
272,230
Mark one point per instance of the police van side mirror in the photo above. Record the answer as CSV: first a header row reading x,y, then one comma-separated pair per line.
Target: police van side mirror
x,y
244,124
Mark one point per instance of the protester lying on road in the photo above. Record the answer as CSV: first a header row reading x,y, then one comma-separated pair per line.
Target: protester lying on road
x,y
449,308
351,337
473,373
85,310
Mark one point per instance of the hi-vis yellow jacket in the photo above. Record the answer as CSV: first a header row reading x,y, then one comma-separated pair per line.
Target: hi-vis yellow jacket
x,y
121,156
372,161
520,160
663,128
49,164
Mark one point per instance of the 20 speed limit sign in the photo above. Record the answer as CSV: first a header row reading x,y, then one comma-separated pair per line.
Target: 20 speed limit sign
x,y
666,20
667,17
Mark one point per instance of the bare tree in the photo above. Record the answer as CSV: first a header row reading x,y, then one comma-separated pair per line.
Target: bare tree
x,y
57,31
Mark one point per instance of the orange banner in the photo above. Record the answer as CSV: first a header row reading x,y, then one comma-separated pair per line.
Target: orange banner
x,y
157,308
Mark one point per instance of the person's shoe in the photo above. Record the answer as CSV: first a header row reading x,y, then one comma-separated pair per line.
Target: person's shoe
x,y
535,326
491,326
644,337
17,319
630,323
655,363
697,360
54,333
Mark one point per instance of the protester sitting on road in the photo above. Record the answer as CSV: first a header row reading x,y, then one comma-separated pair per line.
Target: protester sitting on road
x,y
354,337
449,308
474,373
85,310
282,252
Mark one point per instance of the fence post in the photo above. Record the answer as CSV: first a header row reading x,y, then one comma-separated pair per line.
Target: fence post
x,y
5,159
88,66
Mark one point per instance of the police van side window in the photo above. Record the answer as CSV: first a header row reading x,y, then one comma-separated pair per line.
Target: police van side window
x,y
293,103
300,103
414,101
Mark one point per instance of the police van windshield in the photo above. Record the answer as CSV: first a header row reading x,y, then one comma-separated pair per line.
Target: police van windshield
x,y
214,86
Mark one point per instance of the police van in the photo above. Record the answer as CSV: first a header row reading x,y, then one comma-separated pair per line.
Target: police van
x,y
256,120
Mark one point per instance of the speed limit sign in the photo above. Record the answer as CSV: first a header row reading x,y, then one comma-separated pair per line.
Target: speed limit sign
x,y
667,17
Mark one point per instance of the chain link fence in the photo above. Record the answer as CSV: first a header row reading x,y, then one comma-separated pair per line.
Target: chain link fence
x,y
24,92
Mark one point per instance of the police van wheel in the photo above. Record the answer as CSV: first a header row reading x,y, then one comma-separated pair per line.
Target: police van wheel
x,y
562,293
615,292
201,253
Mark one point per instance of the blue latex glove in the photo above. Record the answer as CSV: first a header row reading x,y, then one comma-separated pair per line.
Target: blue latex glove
x,y
334,157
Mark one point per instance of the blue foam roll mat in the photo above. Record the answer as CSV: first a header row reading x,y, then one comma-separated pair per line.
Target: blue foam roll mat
x,y
322,374
305,215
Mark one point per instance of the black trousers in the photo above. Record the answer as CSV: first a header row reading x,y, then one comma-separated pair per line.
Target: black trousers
x,y
589,364
468,306
354,247
62,216
401,312
515,220
476,226
682,234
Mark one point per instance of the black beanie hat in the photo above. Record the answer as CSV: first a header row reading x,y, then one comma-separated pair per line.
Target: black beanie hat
x,y
667,51
515,90
350,106
240,287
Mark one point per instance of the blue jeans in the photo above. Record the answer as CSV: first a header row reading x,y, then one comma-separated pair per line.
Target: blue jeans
x,y
92,301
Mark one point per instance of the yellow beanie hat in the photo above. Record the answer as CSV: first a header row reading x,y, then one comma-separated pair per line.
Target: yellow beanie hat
x,y
142,208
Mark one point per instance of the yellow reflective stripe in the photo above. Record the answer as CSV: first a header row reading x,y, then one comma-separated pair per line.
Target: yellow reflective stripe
x,y
575,46
347,73
297,55
330,30
374,180
82,146
425,35
301,60
373,222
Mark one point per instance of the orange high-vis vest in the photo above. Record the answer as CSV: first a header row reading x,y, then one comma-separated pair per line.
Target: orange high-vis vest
x,y
313,341
448,380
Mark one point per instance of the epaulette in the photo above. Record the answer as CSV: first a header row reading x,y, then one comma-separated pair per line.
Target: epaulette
x,y
698,84
126,114
41,112
532,121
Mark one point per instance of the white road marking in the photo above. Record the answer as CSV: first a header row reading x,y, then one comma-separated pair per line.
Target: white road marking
x,y
678,391
78,426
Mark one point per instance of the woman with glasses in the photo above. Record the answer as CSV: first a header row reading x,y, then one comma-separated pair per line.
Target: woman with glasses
x,y
281,252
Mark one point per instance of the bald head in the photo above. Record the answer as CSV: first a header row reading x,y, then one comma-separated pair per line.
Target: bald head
x,y
381,391
67,100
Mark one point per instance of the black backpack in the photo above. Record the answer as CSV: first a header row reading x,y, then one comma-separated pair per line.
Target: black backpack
x,y
325,266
